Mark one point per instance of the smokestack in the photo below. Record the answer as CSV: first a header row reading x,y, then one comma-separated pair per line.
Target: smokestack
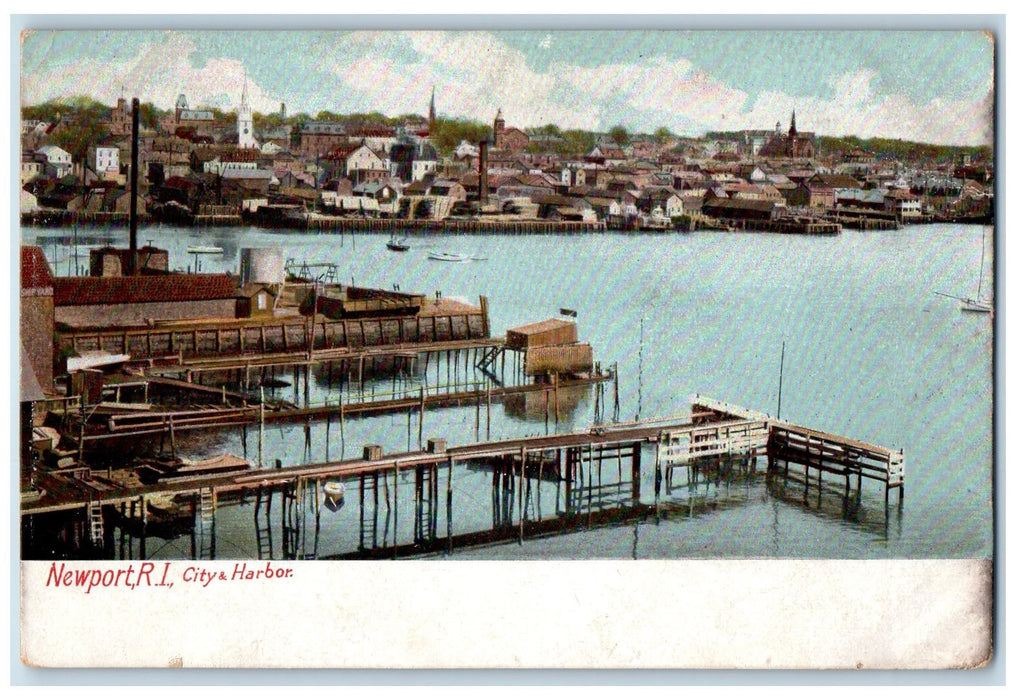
x,y
483,171
135,120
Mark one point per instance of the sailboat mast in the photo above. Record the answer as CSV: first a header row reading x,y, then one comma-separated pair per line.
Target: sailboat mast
x,y
980,271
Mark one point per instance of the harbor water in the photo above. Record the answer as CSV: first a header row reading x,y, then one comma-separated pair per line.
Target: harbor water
x,y
871,352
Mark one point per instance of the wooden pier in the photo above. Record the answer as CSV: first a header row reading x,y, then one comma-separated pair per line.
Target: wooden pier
x,y
523,470
345,224
253,337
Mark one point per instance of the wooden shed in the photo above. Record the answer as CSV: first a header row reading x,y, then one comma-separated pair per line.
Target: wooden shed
x,y
255,300
559,359
553,331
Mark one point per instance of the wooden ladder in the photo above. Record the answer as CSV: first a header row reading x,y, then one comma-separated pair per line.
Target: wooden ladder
x,y
95,529
263,530
206,520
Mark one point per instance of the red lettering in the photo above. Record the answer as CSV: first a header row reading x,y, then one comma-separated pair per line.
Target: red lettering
x,y
146,570
53,579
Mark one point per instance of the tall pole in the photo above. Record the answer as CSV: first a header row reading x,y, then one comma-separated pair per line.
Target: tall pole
x,y
135,122
779,395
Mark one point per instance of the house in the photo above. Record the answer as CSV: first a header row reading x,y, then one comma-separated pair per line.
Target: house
x,y
411,161
57,161
105,161
861,199
903,204
448,188
31,167
606,155
240,184
664,198
819,191
28,201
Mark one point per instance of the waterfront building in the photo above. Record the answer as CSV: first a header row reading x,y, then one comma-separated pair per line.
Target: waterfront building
x,y
37,315
58,162
133,301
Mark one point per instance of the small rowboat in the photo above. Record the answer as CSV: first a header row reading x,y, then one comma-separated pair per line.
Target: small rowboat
x,y
335,495
449,257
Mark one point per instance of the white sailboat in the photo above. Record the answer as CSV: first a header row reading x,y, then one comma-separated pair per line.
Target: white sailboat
x,y
975,304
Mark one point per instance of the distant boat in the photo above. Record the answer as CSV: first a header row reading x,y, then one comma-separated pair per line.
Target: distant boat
x,y
449,257
204,250
976,304
397,244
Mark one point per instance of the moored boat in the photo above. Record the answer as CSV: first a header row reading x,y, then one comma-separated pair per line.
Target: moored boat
x,y
397,244
335,495
449,257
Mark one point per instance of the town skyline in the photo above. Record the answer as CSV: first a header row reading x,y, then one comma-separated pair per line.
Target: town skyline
x,y
700,81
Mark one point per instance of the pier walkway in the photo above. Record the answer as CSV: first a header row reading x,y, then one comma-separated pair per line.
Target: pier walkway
x,y
712,429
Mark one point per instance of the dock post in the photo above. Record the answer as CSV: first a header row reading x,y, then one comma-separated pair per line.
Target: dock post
x,y
261,431
419,435
636,472
342,424
546,411
395,526
658,475
488,410
557,410
521,487
448,504
568,476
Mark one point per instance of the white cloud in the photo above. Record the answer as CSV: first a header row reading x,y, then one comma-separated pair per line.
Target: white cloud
x,y
475,73
160,72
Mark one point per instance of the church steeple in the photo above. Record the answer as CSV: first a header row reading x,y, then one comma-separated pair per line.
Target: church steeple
x,y
433,110
245,120
793,123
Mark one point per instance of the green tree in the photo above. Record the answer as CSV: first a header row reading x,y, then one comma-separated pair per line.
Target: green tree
x,y
620,135
663,136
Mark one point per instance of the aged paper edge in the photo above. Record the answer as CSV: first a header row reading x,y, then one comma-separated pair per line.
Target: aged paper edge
x,y
759,614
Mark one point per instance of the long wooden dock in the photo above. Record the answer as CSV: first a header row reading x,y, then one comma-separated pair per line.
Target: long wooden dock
x,y
712,428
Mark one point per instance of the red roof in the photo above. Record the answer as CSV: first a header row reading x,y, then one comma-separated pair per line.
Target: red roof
x,y
82,291
35,272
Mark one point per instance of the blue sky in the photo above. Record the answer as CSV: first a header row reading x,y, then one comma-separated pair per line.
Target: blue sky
x,y
934,86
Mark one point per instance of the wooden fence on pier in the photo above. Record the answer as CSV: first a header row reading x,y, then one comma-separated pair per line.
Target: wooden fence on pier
x,y
281,334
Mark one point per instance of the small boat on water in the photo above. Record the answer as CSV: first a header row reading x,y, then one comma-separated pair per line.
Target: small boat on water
x,y
397,244
449,257
204,250
335,495
978,304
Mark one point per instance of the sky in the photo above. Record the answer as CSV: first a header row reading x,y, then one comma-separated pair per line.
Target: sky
x,y
929,86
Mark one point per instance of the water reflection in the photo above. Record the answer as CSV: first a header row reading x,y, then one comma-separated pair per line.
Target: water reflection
x,y
440,507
